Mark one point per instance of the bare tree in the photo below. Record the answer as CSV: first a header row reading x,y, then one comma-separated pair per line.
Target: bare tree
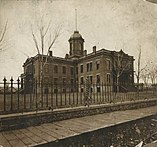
x,y
119,65
44,41
2,35
139,69
152,72
145,76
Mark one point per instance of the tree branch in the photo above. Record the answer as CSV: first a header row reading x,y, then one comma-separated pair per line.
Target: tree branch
x,y
42,39
35,41
47,28
57,33
4,32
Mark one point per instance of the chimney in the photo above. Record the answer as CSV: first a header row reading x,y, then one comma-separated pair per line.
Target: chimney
x,y
85,52
50,53
66,56
94,49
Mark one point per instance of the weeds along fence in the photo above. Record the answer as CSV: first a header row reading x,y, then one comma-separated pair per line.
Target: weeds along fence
x,y
15,96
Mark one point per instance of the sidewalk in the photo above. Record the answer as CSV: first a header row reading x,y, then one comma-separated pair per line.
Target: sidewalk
x,y
49,132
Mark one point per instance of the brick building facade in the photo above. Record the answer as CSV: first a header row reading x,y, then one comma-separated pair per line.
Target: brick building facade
x,y
99,67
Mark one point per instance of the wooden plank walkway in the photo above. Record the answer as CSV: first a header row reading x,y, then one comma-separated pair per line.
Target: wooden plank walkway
x,y
50,132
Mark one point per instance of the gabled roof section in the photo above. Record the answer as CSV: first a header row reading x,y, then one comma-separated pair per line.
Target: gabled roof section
x,y
104,52
50,58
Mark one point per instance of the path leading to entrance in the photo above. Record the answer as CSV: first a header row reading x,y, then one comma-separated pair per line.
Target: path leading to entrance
x,y
49,132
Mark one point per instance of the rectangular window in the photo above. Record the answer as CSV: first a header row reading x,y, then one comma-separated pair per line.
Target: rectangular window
x,y
98,89
46,68
46,90
72,70
87,67
70,46
91,79
64,70
81,80
64,81
129,66
55,81
72,85
55,69
76,70
46,80
72,81
64,90
81,69
108,65
108,78
55,90
126,64
90,67
97,65
98,79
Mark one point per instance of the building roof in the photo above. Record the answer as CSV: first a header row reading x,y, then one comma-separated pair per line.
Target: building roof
x,y
76,35
50,58
69,60
105,52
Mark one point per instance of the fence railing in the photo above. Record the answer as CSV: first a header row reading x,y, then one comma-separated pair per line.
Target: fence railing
x,y
16,96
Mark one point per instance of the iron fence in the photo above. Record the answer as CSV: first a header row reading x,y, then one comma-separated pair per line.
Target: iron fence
x,y
15,96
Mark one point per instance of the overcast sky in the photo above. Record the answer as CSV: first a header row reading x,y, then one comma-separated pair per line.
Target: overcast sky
x,y
109,24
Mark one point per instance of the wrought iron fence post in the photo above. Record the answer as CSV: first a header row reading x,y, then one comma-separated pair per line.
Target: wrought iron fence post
x,y
24,94
61,92
102,100
106,100
4,93
94,92
36,92
30,93
69,94
11,108
18,88
42,100
56,95
47,96
87,95
77,92
73,90
65,95
51,95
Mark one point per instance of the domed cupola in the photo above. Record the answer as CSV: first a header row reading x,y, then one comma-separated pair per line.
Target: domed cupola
x,y
76,45
76,35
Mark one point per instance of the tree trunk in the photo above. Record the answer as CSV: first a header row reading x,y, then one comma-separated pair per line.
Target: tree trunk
x,y
117,85
138,81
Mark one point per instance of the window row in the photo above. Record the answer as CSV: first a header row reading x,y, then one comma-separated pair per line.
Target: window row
x,y
89,66
89,79
64,81
58,81
83,80
56,69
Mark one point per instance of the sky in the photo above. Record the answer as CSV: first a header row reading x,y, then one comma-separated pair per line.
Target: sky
x,y
109,24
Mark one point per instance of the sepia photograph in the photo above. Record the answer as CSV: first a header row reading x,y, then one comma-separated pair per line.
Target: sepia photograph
x,y
78,73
